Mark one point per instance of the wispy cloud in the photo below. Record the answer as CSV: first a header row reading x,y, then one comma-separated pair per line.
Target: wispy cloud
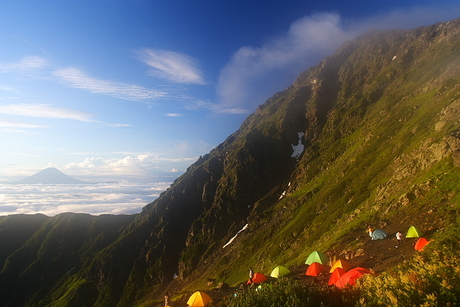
x,y
45,111
174,114
170,65
25,65
119,125
75,78
255,73
19,124
39,68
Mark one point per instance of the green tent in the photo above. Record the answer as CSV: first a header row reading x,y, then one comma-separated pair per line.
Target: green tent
x,y
317,257
413,232
279,271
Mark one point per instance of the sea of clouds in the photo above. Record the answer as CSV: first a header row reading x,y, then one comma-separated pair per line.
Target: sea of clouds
x,y
95,199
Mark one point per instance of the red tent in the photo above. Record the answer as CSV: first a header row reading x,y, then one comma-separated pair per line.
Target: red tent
x,y
420,244
338,272
259,278
350,277
315,269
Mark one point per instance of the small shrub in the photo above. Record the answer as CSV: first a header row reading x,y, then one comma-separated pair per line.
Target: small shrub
x,y
291,293
430,279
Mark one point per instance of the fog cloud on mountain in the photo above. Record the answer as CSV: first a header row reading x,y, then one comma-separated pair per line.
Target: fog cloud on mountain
x,y
254,72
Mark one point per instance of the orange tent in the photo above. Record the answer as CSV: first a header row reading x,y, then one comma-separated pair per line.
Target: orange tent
x,y
338,272
350,277
315,269
421,243
259,278
340,264
199,299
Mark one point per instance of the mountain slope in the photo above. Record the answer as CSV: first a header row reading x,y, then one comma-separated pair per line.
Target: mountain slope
x,y
60,247
362,111
379,124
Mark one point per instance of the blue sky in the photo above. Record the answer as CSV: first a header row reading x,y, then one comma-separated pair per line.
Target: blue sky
x,y
138,90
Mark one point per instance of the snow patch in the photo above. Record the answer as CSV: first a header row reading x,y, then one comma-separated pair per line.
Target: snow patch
x,y
299,148
282,195
234,237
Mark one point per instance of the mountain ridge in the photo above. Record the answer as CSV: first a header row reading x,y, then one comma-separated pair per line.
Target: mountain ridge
x,y
380,129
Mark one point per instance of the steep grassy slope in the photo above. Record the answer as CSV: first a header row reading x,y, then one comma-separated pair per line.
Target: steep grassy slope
x,y
380,124
58,248
15,230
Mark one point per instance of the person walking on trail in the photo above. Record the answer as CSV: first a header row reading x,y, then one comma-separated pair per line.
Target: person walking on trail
x,y
399,239
370,230
167,295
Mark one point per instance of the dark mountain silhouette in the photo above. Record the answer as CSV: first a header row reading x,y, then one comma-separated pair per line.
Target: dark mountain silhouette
x,y
370,135
50,175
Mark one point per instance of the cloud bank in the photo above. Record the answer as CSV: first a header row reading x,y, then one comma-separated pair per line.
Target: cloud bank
x,y
102,198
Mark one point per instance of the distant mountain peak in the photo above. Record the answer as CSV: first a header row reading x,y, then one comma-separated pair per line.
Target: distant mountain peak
x,y
50,175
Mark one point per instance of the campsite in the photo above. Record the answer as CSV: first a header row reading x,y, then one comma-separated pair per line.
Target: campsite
x,y
376,257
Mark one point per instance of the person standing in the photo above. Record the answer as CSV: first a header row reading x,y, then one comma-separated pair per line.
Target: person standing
x,y
251,274
399,238
370,230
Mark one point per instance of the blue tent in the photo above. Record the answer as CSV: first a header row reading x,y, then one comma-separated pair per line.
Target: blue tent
x,y
379,234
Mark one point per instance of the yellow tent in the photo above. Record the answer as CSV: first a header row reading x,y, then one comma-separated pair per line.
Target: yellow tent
x,y
413,232
279,271
199,299
341,264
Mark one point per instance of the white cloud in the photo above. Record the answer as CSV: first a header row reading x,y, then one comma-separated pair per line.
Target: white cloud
x,y
87,163
174,114
37,67
255,73
141,166
119,125
26,65
18,124
13,130
45,111
170,65
75,78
